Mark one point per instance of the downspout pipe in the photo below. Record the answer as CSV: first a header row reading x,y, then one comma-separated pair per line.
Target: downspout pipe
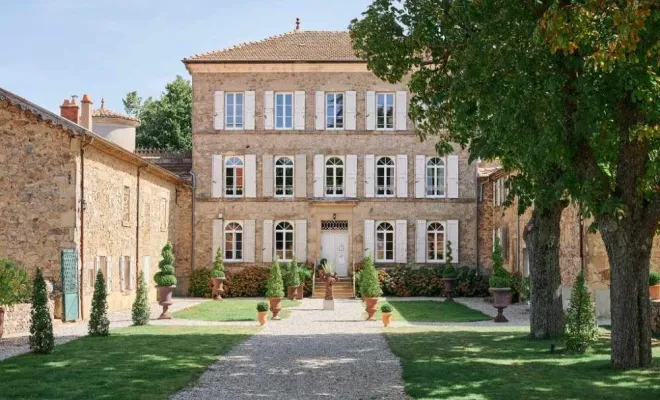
x,y
82,223
192,219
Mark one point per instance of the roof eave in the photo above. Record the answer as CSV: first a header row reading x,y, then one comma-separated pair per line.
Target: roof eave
x,y
335,61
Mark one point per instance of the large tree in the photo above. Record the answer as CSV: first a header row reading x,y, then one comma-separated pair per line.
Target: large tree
x,y
166,121
562,92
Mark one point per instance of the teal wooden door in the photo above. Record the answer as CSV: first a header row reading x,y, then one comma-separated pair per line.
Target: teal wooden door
x,y
69,275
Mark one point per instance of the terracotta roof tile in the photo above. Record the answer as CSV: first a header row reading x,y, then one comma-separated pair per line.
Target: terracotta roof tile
x,y
107,113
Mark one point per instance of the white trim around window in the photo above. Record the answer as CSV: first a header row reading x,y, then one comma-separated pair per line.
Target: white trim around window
x,y
334,184
232,241
284,176
284,240
435,183
234,110
284,110
335,111
234,184
385,176
385,242
385,102
436,241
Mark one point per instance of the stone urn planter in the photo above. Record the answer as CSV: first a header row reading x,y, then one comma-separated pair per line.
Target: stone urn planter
x,y
218,288
262,312
275,307
301,292
386,310
329,291
2,321
448,284
370,307
501,300
165,300
654,292
292,292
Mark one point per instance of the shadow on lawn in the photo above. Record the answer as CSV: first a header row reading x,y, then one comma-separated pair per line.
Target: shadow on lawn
x,y
505,365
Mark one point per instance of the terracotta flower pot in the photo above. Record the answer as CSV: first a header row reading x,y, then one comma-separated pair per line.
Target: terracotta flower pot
x,y
329,291
275,306
371,307
291,292
261,315
218,288
654,292
165,300
501,300
387,318
449,289
301,292
2,321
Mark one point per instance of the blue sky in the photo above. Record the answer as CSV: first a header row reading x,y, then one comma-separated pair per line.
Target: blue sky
x,y
53,49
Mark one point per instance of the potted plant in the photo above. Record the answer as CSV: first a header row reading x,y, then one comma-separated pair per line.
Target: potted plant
x,y
304,274
449,274
218,275
165,280
500,283
654,285
275,288
14,287
330,274
369,286
262,311
293,279
386,310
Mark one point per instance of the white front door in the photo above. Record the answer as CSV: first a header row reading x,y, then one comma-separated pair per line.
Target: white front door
x,y
334,248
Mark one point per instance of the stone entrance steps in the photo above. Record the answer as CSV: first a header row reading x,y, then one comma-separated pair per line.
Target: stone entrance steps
x,y
342,289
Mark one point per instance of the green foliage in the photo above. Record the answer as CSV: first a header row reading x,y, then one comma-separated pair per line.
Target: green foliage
x,y
524,288
141,311
500,278
294,272
275,285
369,283
218,270
386,308
165,277
165,123
248,282
99,324
449,271
654,278
41,326
200,283
581,329
14,283
262,306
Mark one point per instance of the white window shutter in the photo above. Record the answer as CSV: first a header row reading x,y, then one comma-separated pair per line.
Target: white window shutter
x,y
401,110
369,230
401,175
97,265
267,175
401,240
452,176
219,110
216,175
122,278
267,251
248,240
250,106
420,176
369,170
420,241
301,240
108,279
371,111
251,176
299,110
319,103
452,236
318,175
351,175
132,267
218,233
147,270
269,120
300,173
350,113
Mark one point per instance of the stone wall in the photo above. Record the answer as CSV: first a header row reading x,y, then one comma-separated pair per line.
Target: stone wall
x,y
18,318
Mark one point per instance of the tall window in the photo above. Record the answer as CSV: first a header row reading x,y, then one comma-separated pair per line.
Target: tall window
x,y
284,177
233,241
334,110
385,177
284,110
334,176
284,241
435,242
127,274
384,242
435,177
234,177
385,111
234,110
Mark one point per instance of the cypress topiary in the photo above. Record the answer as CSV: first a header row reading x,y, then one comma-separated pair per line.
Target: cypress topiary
x,y
500,278
449,271
41,326
369,285
99,325
275,285
218,270
165,277
581,329
294,272
141,310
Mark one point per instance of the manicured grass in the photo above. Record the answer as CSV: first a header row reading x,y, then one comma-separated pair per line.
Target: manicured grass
x,y
494,364
148,362
230,310
433,311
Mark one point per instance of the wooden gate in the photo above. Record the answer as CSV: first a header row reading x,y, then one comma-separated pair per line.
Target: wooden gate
x,y
70,299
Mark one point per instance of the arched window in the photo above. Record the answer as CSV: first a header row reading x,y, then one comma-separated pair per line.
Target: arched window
x,y
384,242
234,177
435,241
385,176
435,177
233,241
284,241
334,176
284,177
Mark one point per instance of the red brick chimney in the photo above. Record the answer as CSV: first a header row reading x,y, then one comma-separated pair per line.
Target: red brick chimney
x,y
70,110
86,114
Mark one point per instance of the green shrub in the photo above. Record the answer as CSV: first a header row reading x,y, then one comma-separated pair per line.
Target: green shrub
x,y
262,306
141,311
654,278
501,278
275,285
248,282
200,283
218,270
470,283
386,308
14,283
294,272
449,271
165,277
369,283
581,329
99,325
41,326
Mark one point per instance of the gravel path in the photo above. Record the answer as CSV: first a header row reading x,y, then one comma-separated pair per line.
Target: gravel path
x,y
313,354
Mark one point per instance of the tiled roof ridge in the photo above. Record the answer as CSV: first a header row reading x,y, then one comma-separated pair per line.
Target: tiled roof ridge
x,y
107,113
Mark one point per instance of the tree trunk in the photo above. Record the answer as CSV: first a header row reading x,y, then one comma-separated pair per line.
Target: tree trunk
x,y
542,240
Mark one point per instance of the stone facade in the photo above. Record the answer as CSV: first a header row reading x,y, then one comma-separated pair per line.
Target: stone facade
x,y
18,318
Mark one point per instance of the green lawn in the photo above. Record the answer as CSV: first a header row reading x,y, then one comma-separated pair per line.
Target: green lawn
x,y
432,311
149,362
485,363
230,310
